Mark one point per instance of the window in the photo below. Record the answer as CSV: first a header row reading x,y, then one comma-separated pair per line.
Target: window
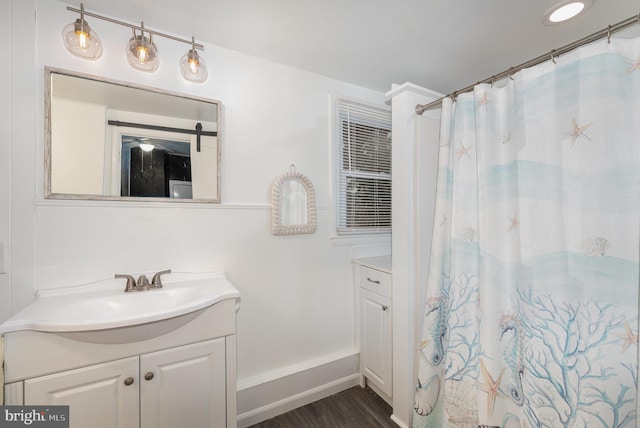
x,y
363,145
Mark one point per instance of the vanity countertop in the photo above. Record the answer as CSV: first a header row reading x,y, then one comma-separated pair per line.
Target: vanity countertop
x,y
381,263
104,304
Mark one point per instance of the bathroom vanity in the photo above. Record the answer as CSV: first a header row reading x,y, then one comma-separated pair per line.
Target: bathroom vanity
x,y
150,371
373,278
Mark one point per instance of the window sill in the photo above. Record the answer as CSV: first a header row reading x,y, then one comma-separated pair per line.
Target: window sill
x,y
360,240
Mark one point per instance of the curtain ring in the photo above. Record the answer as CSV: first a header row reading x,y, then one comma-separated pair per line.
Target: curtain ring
x,y
510,75
609,34
553,57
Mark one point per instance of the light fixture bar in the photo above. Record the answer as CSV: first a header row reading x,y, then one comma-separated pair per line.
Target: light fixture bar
x,y
136,27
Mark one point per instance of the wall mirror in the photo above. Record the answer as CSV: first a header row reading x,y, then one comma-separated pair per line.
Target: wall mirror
x,y
293,205
112,140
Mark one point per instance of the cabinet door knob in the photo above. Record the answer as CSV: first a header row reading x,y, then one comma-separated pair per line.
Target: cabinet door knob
x,y
375,281
384,308
128,381
148,376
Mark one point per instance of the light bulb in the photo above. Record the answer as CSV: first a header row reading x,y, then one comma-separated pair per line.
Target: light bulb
x,y
142,53
82,39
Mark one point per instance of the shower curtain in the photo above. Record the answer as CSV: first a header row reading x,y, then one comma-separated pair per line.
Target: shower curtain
x,y
531,316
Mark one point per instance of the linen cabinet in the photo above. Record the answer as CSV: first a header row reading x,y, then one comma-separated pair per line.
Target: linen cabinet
x,y
374,282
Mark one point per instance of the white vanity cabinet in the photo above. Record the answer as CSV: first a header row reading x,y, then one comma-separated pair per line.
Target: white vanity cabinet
x,y
373,276
181,378
183,386
82,388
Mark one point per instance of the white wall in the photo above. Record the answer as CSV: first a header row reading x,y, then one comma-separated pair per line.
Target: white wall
x,y
17,153
5,156
297,295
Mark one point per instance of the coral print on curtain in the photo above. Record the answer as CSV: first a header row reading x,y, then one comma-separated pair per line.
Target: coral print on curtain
x,y
531,318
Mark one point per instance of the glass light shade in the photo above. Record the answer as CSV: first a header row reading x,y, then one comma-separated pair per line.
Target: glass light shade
x,y
81,41
142,54
566,10
147,147
193,68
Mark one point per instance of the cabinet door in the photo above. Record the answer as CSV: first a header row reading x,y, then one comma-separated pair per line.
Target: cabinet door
x,y
98,396
184,386
375,342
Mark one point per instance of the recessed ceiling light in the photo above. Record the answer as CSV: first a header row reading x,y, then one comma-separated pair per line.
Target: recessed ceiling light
x,y
565,10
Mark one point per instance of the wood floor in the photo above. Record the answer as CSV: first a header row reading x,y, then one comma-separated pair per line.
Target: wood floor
x,y
354,408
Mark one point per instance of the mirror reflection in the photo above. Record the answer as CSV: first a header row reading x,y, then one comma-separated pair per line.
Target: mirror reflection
x,y
293,203
113,140
153,167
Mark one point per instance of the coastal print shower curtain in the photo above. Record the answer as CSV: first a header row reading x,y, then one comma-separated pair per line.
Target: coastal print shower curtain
x,y
531,316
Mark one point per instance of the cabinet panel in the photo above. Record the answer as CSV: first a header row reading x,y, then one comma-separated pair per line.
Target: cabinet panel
x,y
375,345
187,386
376,281
97,395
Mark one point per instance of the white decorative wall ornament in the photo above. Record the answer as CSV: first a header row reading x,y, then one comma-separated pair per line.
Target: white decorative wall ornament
x,y
293,205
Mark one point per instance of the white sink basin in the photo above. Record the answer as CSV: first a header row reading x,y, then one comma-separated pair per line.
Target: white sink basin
x,y
102,312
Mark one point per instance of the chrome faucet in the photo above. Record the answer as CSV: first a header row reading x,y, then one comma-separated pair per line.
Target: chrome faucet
x,y
143,282
156,282
131,282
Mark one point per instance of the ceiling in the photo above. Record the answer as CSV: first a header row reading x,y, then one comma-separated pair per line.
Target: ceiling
x,y
443,45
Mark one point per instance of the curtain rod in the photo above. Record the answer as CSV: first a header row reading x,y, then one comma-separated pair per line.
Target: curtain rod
x,y
551,55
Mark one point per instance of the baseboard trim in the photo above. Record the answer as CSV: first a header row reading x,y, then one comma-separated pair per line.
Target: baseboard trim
x,y
302,399
398,422
271,394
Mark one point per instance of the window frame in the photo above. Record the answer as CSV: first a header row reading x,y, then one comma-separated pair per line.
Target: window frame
x,y
341,230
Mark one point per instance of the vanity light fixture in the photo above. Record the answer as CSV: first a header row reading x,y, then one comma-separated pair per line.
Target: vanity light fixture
x,y
81,40
192,66
141,51
566,10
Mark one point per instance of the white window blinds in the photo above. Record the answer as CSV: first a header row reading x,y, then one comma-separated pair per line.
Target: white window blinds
x,y
364,168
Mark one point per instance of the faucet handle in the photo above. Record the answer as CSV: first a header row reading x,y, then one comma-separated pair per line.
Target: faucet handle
x,y
131,281
156,282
